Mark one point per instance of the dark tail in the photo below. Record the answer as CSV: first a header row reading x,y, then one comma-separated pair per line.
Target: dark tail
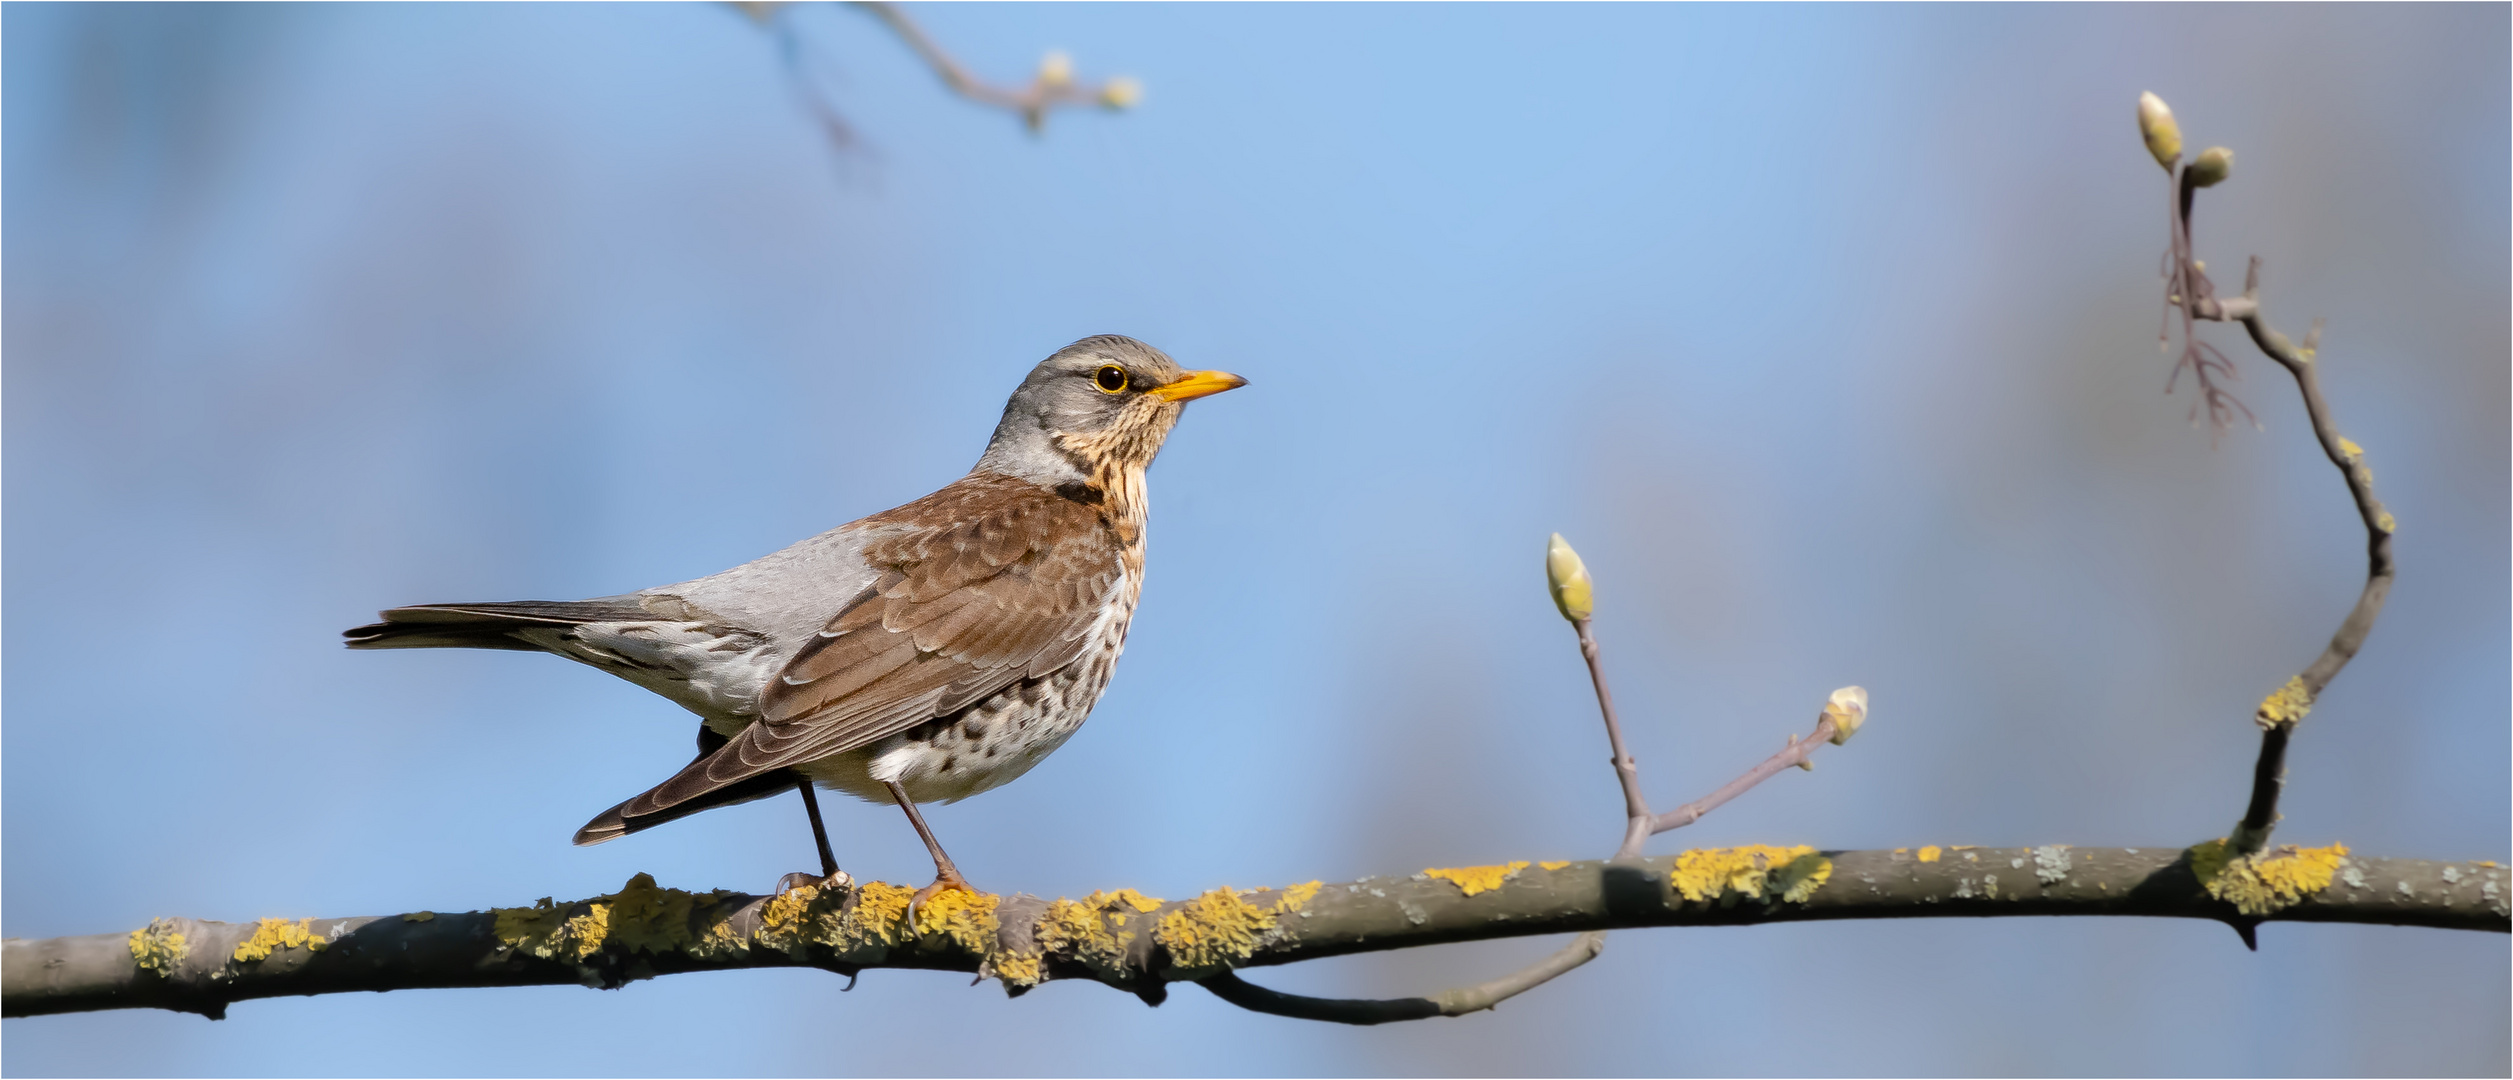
x,y
484,626
615,822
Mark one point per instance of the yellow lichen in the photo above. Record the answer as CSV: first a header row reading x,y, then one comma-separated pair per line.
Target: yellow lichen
x,y
963,918
1102,901
1929,853
2386,522
1756,871
1212,931
1080,930
272,935
419,916
871,926
782,921
1017,969
2268,882
2286,706
1478,879
2348,449
584,934
719,941
1297,896
1552,864
159,946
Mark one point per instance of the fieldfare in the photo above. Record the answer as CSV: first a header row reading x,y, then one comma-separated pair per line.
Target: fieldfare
x,y
925,653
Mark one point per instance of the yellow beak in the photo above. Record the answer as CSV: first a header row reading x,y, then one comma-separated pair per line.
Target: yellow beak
x,y
1196,384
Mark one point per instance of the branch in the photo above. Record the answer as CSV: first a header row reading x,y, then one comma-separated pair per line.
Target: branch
x,y
2190,292
1141,945
1052,88
1458,1002
1573,593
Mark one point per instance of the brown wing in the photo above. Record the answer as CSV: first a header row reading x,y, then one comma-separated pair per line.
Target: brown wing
x,y
993,581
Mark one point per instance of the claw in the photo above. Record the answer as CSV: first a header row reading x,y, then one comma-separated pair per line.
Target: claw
x,y
838,880
949,879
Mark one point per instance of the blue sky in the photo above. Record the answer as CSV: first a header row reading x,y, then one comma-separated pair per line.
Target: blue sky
x,y
1827,333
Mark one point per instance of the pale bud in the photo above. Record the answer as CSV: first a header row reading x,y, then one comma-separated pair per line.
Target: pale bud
x,y
1055,69
1847,710
2211,167
1567,578
1121,93
2163,136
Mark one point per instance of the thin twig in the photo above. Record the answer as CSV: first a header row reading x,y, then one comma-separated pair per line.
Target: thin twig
x,y
1460,1000
1626,770
2283,709
1048,91
1230,987
1052,88
2188,290
1796,754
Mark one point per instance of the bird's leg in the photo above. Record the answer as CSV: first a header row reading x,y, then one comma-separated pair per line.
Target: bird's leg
x,y
946,876
829,876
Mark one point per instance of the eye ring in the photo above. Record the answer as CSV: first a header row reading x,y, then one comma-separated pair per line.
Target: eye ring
x,y
1110,379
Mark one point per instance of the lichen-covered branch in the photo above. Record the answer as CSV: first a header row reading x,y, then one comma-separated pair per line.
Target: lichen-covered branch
x,y
1140,944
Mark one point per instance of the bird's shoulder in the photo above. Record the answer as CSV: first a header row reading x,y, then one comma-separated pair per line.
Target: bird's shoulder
x,y
988,581
1024,543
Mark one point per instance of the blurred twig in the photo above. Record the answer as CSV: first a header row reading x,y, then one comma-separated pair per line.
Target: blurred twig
x,y
1052,87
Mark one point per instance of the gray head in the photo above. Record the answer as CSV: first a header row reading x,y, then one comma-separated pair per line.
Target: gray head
x,y
1096,410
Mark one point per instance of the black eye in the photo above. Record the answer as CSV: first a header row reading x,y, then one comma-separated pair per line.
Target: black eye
x,y
1110,378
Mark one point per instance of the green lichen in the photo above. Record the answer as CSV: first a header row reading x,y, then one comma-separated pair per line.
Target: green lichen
x,y
543,930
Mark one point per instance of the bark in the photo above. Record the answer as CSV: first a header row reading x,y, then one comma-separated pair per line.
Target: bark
x,y
1141,945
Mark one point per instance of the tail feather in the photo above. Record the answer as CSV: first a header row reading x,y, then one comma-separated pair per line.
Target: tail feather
x,y
614,823
486,625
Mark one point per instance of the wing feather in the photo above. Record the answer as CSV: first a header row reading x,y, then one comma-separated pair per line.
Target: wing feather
x,y
986,583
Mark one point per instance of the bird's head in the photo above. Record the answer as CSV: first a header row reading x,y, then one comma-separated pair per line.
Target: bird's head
x,y
1095,412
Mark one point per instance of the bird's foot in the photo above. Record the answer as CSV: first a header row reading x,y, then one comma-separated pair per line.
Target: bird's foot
x,y
948,879
839,880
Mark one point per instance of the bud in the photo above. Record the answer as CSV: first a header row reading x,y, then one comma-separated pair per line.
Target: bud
x,y
1847,710
2211,167
2163,136
1121,93
1055,70
1567,578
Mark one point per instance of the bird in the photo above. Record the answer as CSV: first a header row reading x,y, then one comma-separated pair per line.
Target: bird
x,y
925,653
